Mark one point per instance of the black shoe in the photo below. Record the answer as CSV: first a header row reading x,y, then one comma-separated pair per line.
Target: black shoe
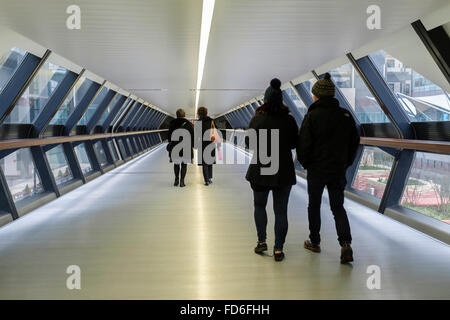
x,y
278,256
182,184
261,247
176,182
346,253
311,246
206,183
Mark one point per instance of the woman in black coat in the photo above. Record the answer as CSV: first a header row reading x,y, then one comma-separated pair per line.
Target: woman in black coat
x,y
273,114
180,160
207,166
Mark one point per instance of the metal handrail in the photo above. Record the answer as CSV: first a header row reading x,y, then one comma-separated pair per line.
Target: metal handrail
x,y
24,143
420,145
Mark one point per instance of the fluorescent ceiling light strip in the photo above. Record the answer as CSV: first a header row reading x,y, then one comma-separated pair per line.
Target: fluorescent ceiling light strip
x,y
207,14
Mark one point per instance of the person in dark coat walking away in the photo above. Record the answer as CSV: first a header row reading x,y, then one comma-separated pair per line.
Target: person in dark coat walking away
x,y
327,146
207,166
180,161
273,115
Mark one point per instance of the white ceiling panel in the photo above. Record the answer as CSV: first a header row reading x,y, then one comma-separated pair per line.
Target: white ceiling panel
x,y
150,47
147,47
253,41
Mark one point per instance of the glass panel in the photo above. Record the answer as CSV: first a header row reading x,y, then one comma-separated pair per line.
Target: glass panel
x,y
83,159
101,156
129,146
250,110
136,117
428,188
109,109
421,99
297,101
9,63
373,171
125,105
131,113
352,86
58,164
93,107
122,148
149,142
71,102
140,122
21,175
141,139
145,142
135,142
113,151
149,121
37,94
309,84
139,143
297,164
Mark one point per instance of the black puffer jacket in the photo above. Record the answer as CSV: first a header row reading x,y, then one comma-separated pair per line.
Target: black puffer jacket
x,y
328,139
180,123
288,130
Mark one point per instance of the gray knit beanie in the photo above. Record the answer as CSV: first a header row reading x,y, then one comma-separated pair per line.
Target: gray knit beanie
x,y
324,87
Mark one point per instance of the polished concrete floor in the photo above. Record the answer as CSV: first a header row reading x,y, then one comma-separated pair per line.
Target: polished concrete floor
x,y
135,236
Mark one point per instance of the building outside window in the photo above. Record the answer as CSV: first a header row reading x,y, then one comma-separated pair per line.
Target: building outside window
x,y
428,188
361,100
21,175
9,63
421,99
373,171
36,96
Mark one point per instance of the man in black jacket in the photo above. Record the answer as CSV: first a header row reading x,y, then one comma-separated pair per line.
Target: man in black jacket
x,y
180,160
327,146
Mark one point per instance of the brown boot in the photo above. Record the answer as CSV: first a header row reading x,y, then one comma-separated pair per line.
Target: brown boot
x,y
346,253
311,246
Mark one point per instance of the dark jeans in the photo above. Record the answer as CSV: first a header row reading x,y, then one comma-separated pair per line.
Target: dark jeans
x,y
176,169
207,171
280,205
335,188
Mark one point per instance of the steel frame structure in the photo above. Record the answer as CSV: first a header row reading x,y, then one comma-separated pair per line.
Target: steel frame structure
x,y
139,128
400,138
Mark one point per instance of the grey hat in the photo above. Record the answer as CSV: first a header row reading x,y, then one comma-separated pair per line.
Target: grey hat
x,y
324,87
